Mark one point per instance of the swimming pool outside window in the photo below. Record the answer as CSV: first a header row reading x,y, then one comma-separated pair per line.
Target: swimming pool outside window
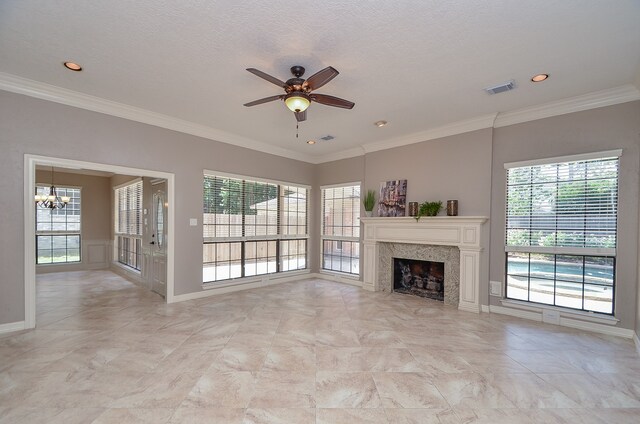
x,y
561,231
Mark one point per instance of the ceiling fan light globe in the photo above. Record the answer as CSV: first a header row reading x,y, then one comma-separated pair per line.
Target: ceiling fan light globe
x,y
297,102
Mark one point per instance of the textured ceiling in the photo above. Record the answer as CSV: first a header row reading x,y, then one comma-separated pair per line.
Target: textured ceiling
x,y
417,64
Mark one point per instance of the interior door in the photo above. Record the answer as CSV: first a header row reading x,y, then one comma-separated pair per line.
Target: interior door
x,y
158,244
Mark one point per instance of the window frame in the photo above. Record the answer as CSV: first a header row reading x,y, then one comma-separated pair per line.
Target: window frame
x,y
279,237
59,233
340,239
555,251
130,238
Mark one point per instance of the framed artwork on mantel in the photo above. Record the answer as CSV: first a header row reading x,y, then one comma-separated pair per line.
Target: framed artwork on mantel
x,y
393,198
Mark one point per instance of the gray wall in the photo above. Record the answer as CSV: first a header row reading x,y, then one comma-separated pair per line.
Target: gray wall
x,y
613,127
29,125
468,167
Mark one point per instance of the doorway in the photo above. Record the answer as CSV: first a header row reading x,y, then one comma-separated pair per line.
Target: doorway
x,y
164,220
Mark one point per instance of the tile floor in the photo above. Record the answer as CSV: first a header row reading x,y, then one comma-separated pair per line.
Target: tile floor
x,y
106,351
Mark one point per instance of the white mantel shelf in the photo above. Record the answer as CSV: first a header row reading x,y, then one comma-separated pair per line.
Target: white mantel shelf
x,y
464,232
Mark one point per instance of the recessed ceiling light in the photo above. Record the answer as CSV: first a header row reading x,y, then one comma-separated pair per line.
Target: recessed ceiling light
x,y
539,77
311,142
73,66
380,124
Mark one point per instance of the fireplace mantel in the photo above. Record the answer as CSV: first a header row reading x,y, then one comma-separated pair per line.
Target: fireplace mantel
x,y
464,232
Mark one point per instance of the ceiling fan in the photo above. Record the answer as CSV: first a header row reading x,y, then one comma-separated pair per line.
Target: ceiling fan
x,y
298,91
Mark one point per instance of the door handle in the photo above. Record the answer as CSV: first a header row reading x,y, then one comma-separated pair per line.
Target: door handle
x,y
153,242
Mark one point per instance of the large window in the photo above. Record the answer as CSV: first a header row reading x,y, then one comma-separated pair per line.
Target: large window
x,y
58,230
561,231
341,228
252,228
128,224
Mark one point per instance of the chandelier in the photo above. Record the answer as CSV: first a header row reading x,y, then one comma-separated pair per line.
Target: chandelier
x,y
52,200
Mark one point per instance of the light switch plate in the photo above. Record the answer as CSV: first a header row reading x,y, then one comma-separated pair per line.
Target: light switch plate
x,y
193,222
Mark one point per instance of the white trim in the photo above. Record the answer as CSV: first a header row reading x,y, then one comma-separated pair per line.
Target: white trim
x,y
211,173
339,277
30,162
52,93
67,97
355,183
343,154
213,291
593,100
127,183
636,340
459,127
11,327
560,250
607,154
566,312
565,320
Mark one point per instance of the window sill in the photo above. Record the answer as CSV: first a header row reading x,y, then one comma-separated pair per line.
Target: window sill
x,y
127,268
253,279
564,312
341,274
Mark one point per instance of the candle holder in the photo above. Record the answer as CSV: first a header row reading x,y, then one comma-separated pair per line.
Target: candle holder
x,y
413,208
452,208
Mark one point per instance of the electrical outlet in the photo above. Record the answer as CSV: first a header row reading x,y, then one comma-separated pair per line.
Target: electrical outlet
x,y
495,288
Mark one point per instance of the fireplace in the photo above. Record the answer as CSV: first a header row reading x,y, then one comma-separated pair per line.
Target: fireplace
x,y
420,278
455,240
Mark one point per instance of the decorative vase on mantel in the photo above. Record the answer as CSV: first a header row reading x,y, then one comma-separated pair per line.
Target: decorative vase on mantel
x,y
368,214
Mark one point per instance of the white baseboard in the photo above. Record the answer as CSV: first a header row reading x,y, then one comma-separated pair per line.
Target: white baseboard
x,y
338,278
11,327
534,316
240,286
564,321
636,340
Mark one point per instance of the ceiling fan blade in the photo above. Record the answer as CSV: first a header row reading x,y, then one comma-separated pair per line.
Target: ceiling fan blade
x,y
301,116
267,77
320,78
265,100
332,101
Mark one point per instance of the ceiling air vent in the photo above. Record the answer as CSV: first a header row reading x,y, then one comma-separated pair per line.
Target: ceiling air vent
x,y
500,88
327,137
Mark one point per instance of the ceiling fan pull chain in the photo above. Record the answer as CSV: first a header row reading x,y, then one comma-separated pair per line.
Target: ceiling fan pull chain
x,y
297,130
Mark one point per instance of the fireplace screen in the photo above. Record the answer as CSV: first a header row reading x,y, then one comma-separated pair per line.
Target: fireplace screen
x,y
421,278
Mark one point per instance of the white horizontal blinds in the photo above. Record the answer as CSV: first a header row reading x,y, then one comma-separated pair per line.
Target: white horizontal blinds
x,y
260,209
223,206
236,208
293,201
563,207
128,209
341,211
252,227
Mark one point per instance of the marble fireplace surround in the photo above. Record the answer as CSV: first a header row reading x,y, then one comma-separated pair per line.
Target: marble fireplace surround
x,y
449,255
463,232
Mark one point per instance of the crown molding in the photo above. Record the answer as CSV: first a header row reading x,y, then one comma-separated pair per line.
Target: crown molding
x,y
31,88
609,97
343,154
473,124
67,97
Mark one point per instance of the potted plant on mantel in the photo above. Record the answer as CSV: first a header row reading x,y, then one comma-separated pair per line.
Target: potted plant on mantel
x,y
369,202
428,209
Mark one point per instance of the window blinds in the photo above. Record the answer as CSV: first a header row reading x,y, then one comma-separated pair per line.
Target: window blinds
x,y
237,208
128,209
568,207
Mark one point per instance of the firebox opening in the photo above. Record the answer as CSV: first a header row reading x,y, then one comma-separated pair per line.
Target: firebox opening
x,y
420,278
